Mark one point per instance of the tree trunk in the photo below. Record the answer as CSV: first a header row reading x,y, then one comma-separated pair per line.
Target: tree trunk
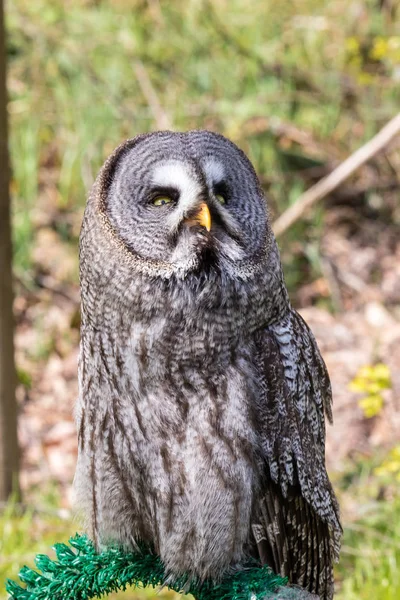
x,y
8,407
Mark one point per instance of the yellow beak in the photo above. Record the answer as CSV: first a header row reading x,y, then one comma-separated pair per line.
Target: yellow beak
x,y
202,218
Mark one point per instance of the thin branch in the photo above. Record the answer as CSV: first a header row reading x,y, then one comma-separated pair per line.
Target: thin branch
x,y
338,176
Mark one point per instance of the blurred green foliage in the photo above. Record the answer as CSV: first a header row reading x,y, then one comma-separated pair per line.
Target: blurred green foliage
x,y
369,565
389,469
370,556
296,84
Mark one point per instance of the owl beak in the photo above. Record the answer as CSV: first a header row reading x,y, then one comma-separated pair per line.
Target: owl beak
x,y
202,217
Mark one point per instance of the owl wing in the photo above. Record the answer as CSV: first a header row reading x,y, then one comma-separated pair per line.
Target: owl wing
x,y
296,527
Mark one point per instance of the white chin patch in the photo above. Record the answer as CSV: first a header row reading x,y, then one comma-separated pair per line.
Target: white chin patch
x,y
229,249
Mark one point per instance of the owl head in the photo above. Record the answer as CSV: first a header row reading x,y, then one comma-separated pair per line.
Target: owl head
x,y
182,203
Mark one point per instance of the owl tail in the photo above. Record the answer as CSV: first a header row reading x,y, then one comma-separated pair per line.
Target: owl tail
x,y
295,542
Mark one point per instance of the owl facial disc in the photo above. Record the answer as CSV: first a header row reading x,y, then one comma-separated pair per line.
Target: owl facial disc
x,y
188,201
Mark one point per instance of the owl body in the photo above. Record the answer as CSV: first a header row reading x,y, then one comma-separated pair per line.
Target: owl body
x,y
202,393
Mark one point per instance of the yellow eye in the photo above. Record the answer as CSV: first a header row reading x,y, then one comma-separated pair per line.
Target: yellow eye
x,y
220,198
161,200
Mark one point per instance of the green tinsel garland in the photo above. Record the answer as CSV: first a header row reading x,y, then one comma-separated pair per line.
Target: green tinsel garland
x,y
81,573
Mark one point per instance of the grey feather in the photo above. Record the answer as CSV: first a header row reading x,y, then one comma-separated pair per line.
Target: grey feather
x,y
202,403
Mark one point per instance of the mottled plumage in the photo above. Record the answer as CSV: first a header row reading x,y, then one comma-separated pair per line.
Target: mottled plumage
x,y
202,392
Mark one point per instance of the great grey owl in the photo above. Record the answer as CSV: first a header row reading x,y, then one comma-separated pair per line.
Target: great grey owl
x,y
202,392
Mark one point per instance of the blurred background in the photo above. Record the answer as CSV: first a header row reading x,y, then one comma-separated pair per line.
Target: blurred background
x,y
299,86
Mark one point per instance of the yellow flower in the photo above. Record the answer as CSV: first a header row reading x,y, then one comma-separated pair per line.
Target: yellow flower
x,y
370,381
391,465
352,45
371,405
379,49
382,372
